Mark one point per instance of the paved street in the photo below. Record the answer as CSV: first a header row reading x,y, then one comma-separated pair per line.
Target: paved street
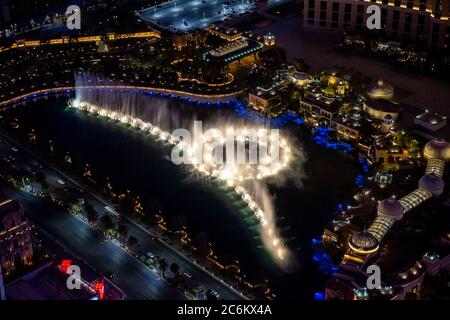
x,y
136,279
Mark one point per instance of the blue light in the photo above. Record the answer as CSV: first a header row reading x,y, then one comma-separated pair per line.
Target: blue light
x,y
323,260
319,296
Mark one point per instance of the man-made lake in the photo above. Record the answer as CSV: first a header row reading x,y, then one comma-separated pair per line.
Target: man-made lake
x,y
304,200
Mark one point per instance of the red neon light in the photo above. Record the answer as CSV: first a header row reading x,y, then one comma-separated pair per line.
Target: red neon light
x,y
100,288
65,264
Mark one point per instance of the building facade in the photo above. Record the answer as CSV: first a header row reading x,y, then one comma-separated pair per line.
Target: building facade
x,y
15,236
4,13
426,21
2,286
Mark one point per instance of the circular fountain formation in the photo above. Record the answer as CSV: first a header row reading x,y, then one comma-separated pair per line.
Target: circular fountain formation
x,y
364,242
232,174
229,171
437,149
392,208
433,184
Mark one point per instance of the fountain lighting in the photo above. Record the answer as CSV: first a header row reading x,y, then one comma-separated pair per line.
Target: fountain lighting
x,y
233,175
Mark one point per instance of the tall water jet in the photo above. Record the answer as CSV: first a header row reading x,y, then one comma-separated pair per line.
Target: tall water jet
x,y
148,114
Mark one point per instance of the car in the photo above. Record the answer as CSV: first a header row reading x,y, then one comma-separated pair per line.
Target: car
x,y
150,255
215,294
109,274
61,181
187,275
14,149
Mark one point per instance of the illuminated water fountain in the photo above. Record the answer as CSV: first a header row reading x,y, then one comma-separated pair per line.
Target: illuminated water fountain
x,y
246,180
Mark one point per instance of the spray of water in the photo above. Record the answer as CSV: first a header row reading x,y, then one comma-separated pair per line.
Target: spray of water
x,y
154,116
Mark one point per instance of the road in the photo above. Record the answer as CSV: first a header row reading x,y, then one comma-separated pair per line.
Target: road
x,y
131,275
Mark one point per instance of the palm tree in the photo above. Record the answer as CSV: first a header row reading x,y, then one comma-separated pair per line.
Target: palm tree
x,y
175,269
107,222
91,214
42,180
132,242
123,230
163,266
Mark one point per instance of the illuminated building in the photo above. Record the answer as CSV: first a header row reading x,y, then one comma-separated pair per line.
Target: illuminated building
x,y
430,121
430,185
422,20
381,109
384,154
346,127
2,286
269,40
4,12
234,51
229,48
49,282
15,236
365,245
317,108
28,9
264,99
337,79
228,34
381,90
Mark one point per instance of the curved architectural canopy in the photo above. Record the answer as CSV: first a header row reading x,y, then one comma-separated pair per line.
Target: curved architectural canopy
x,y
437,149
381,90
364,242
391,207
433,184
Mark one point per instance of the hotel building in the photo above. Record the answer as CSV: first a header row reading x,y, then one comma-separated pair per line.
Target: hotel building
x,y
424,20
15,236
365,246
2,286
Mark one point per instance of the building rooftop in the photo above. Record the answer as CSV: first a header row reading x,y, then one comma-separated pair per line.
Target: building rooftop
x,y
431,118
226,32
320,103
268,93
45,283
391,207
383,105
363,241
437,149
381,90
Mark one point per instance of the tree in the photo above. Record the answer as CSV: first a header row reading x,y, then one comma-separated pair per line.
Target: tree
x,y
123,230
91,214
107,222
42,180
132,242
162,263
175,268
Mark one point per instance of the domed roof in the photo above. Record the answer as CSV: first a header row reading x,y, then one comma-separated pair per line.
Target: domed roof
x,y
363,242
432,183
391,207
381,90
437,149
